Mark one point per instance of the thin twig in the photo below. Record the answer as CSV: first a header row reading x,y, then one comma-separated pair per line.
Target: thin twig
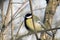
x,y
19,29
37,32
30,2
8,9
12,36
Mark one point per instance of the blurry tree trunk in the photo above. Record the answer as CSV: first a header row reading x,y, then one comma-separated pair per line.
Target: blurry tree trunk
x,y
49,13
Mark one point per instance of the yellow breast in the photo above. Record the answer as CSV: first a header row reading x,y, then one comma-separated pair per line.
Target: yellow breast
x,y
30,25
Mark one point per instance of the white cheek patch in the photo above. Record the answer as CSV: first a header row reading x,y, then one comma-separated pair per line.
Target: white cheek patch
x,y
29,17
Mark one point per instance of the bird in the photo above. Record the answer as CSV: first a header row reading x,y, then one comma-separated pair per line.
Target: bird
x,y
29,23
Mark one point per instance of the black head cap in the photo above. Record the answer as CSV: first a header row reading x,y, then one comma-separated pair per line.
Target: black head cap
x,y
28,15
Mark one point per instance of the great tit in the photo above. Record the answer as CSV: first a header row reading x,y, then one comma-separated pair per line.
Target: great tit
x,y
29,23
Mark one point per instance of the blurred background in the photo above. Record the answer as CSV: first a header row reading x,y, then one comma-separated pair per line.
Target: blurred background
x,y
12,13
